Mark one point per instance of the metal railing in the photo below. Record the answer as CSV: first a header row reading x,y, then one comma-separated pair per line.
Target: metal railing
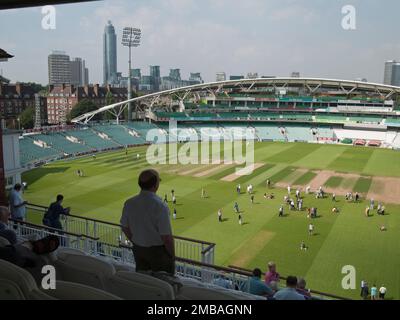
x,y
234,278
111,235
32,231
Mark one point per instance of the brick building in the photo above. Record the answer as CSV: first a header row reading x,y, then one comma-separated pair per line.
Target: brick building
x,y
15,98
63,98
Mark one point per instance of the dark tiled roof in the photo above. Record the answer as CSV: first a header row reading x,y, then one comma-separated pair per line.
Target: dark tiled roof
x,y
4,54
10,90
88,91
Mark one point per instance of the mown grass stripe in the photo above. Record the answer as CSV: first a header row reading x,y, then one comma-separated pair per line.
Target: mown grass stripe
x,y
334,182
305,178
363,185
277,177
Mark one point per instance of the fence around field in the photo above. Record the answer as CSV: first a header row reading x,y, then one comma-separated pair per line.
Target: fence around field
x,y
110,235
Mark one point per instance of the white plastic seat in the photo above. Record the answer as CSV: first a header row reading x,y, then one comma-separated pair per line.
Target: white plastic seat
x,y
4,242
83,269
76,291
23,280
10,291
138,286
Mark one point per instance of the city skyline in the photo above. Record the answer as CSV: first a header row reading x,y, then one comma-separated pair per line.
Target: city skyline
x,y
270,38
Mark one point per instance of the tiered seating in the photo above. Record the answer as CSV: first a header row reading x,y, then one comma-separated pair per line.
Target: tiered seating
x,y
60,142
396,142
265,132
122,281
144,127
29,152
365,120
203,115
360,134
171,115
91,139
234,115
299,134
393,122
119,134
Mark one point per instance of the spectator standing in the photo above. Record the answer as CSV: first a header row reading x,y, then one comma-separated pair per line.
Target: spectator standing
x,y
145,222
52,216
17,203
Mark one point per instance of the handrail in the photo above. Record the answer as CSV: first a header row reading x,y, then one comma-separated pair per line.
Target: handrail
x,y
200,264
210,244
284,278
52,229
74,216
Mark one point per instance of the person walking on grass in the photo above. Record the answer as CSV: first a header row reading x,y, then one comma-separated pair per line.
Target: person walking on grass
x,y
374,292
365,291
281,211
367,209
311,229
382,292
240,219
220,215
236,207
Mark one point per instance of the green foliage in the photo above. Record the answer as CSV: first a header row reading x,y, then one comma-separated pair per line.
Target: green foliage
x,y
27,118
80,108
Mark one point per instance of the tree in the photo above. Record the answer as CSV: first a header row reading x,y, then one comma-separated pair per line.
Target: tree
x,y
82,107
27,117
109,100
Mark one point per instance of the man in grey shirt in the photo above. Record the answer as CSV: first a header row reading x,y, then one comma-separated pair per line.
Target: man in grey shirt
x,y
289,293
145,222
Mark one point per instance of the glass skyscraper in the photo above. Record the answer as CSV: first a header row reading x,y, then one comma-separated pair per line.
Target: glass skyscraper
x,y
109,54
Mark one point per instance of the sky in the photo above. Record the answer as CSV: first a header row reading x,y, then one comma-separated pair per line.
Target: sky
x,y
270,37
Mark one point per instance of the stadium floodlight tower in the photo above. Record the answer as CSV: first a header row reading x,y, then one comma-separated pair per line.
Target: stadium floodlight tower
x,y
130,38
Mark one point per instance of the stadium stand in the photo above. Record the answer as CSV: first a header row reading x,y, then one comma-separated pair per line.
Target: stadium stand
x,y
59,142
92,139
119,134
30,152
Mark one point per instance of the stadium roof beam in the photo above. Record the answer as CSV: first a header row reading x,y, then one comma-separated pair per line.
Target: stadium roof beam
x,y
215,87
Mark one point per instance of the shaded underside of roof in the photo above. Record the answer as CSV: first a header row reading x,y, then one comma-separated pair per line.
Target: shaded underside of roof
x,y
13,4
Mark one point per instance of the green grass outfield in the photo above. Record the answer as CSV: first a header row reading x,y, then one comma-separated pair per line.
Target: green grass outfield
x,y
348,238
